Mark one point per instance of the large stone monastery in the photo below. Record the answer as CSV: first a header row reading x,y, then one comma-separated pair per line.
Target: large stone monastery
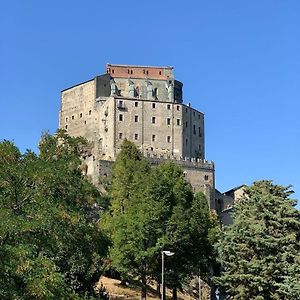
x,y
143,104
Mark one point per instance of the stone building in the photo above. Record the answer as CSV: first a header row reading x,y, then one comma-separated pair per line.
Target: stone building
x,y
145,105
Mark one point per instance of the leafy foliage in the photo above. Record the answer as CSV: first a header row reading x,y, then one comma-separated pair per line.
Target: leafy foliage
x,y
260,251
49,248
154,209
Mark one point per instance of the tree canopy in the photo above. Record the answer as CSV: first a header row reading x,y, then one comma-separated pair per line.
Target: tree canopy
x,y
260,251
154,209
49,247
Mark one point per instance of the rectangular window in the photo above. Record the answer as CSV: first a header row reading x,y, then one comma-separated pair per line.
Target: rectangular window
x,y
73,117
186,124
193,113
168,121
178,121
169,106
120,117
136,118
66,119
186,141
178,107
205,177
168,139
153,120
199,117
120,135
199,131
153,137
136,136
136,104
80,115
90,112
194,129
153,105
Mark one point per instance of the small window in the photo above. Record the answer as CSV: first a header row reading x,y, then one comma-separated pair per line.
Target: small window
x,y
144,71
168,121
131,72
136,118
120,117
186,141
186,124
199,116
186,109
90,112
153,120
136,136
80,115
159,72
113,71
205,177
128,71
178,121
193,113
153,105
153,137
168,139
120,135
73,117
194,129
199,131
168,106
66,126
136,104
178,107
147,72
84,122
67,119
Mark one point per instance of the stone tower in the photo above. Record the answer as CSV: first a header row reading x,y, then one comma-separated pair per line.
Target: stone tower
x,y
145,105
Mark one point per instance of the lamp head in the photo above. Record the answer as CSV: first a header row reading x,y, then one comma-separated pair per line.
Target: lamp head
x,y
168,253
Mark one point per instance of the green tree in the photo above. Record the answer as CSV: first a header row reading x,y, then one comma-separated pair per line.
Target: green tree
x,y
49,248
153,209
260,251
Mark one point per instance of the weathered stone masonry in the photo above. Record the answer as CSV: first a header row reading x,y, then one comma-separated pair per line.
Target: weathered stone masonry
x,y
145,105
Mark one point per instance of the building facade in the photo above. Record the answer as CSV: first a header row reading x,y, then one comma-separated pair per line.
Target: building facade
x,y
145,105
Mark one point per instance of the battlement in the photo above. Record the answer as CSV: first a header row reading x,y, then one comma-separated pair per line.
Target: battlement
x,y
185,162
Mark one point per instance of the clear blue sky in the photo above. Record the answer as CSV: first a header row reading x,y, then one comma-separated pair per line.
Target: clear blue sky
x,y
239,62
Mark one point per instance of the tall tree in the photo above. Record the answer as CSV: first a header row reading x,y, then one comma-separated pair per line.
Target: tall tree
x,y
49,248
151,211
260,251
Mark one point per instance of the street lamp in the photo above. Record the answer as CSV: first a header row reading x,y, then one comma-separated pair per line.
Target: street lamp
x,y
163,253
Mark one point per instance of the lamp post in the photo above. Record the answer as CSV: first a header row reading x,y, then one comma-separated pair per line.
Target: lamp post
x,y
163,253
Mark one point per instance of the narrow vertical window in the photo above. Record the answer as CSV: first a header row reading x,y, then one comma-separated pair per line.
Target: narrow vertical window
x,y
153,105
178,121
168,106
168,139
153,120
136,104
136,136
136,118
194,129
168,121
90,112
120,135
178,107
120,117
153,137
